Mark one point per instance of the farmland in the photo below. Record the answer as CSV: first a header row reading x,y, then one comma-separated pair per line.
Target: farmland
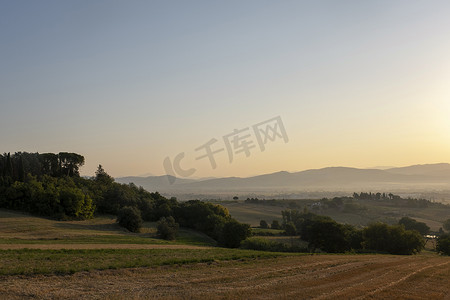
x,y
95,259
372,211
293,277
24,229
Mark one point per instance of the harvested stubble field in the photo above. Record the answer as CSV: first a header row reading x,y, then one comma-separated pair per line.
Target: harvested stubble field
x,y
296,277
96,259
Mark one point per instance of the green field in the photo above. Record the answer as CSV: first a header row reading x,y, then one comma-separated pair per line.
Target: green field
x,y
35,261
22,228
190,268
373,211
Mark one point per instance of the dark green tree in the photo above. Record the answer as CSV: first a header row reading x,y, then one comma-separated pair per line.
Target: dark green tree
x,y
21,169
446,225
329,236
289,229
50,164
233,233
116,197
167,228
275,224
411,224
9,166
392,239
102,177
263,224
130,218
70,163
443,244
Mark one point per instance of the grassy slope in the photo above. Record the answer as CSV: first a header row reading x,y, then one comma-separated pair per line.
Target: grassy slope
x,y
253,213
200,273
376,211
21,228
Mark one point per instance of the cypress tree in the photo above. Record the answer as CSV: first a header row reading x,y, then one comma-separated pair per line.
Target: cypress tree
x,y
2,165
21,171
9,167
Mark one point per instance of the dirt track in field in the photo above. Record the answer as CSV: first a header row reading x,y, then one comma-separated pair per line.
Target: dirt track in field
x,y
95,246
307,277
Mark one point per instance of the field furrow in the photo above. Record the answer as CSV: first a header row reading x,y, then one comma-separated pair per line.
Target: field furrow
x,y
304,277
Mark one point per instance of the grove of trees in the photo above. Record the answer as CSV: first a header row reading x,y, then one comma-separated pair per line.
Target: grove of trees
x,y
395,200
392,239
50,185
411,224
322,232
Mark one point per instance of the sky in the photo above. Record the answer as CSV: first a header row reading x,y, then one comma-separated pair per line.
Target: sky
x,y
133,84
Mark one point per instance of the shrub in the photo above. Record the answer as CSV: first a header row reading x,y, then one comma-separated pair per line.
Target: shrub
x,y
392,239
167,228
262,244
289,229
275,225
329,236
446,225
262,233
263,224
130,218
233,233
443,244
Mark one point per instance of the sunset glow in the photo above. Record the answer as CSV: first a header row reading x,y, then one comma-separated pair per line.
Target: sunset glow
x,y
358,84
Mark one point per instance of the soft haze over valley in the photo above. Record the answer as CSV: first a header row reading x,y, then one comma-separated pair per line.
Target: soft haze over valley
x,y
433,179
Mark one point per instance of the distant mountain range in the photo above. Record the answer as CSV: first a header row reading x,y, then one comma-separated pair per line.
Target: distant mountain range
x,y
430,176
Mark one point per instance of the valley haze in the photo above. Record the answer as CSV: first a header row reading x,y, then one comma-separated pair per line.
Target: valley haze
x,y
410,180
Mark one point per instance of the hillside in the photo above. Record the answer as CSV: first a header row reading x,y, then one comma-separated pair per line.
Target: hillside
x,y
152,183
363,213
18,228
415,178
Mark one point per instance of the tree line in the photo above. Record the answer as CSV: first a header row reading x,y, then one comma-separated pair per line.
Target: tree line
x,y
322,232
46,184
396,200
50,185
16,166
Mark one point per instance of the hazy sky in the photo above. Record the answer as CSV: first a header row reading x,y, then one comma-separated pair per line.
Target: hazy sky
x,y
129,83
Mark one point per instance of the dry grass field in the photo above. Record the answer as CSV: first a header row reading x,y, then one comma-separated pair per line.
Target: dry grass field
x,y
301,277
101,261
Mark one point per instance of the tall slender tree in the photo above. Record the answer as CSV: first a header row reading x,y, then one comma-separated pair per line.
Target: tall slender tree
x,y
21,169
9,166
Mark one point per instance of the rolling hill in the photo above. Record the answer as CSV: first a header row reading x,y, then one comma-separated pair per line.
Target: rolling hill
x,y
431,176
